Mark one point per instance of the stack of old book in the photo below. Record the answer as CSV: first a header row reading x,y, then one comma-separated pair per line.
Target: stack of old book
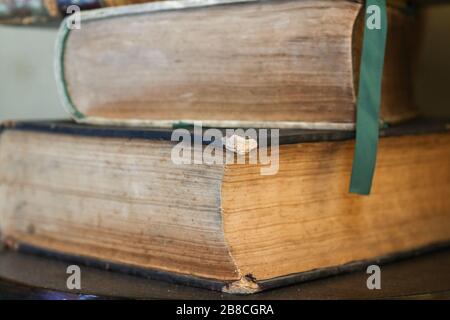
x,y
107,190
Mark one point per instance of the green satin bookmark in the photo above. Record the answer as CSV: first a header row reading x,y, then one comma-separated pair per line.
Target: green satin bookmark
x,y
369,97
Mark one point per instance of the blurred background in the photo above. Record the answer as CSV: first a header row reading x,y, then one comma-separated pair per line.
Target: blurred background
x,y
432,80
27,85
28,90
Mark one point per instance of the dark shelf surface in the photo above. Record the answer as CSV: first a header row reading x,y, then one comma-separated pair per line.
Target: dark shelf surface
x,y
25,276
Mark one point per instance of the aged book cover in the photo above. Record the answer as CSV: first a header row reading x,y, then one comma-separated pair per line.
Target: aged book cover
x,y
114,198
280,64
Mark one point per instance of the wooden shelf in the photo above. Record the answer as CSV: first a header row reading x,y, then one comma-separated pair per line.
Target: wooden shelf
x,y
26,276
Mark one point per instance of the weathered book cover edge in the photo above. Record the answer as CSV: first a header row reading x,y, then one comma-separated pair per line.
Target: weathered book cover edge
x,y
286,136
217,285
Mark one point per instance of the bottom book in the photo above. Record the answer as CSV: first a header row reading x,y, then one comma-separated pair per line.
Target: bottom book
x,y
116,198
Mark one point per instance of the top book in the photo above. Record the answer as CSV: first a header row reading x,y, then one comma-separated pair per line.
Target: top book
x,y
286,64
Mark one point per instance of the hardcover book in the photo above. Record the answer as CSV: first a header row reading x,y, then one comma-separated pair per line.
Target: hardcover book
x,y
279,64
114,198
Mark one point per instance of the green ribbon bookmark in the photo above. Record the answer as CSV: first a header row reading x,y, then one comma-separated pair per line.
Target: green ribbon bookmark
x,y
369,97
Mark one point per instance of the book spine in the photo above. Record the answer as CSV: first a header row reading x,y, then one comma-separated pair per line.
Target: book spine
x,y
35,12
